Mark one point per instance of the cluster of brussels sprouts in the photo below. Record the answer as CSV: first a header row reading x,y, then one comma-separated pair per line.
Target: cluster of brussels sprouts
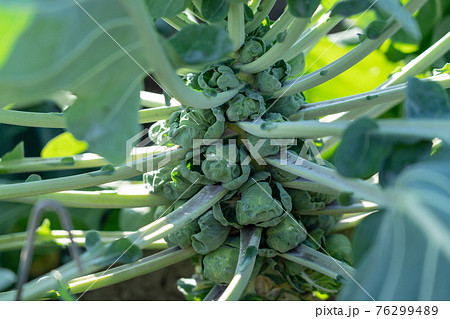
x,y
256,195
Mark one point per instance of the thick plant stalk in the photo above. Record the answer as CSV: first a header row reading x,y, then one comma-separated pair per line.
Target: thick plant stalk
x,y
122,273
335,209
58,120
236,25
248,251
84,180
97,199
279,26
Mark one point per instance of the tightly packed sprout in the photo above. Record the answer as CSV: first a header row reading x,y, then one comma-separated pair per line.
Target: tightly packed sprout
x,y
256,164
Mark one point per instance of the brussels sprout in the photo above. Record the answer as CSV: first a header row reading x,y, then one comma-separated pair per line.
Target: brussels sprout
x,y
285,236
245,106
194,123
305,201
219,265
225,169
257,206
253,48
183,236
324,222
315,238
218,78
288,105
339,247
271,79
158,132
225,215
211,236
193,173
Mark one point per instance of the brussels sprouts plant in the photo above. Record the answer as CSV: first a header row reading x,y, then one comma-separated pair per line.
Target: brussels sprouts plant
x,y
298,155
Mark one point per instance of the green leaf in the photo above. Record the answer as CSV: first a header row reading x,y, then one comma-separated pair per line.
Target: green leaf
x,y
410,256
166,8
350,7
360,153
79,57
396,10
124,251
302,8
17,153
93,240
63,145
201,44
7,278
426,100
375,29
214,10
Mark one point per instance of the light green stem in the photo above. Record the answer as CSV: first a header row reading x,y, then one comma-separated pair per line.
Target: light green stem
x,y
250,238
84,180
38,164
362,101
163,69
423,128
16,241
125,272
276,52
236,24
335,209
342,64
279,26
58,120
99,199
329,177
260,15
313,35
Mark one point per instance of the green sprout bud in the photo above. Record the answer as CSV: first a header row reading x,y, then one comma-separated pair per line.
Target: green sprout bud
x,y
288,105
253,48
258,207
219,265
271,79
218,78
158,133
194,123
183,237
285,236
304,201
225,166
339,247
316,281
211,236
245,106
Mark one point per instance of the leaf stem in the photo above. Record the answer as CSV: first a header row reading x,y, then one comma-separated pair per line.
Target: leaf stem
x,y
97,199
276,52
336,209
279,26
342,64
236,24
362,101
250,239
261,14
121,273
329,177
85,180
308,257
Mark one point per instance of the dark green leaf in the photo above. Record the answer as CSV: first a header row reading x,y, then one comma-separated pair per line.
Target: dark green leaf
x,y
376,28
17,153
425,99
214,10
350,7
201,44
410,256
302,8
360,152
166,8
93,240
